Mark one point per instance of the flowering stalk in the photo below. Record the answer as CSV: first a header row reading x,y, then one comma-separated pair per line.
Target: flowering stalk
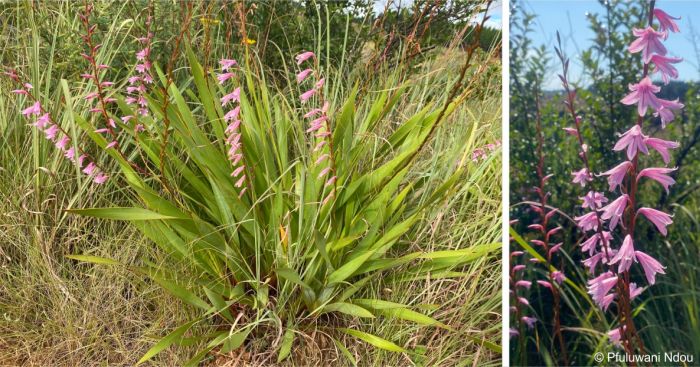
x,y
320,126
136,90
626,176
518,301
55,133
234,138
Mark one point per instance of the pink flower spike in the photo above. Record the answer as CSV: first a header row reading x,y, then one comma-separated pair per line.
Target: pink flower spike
x,y
666,22
617,174
100,178
34,109
644,95
308,94
224,77
227,64
663,66
20,91
648,42
312,113
87,76
51,132
613,211
650,265
304,56
581,177
303,74
662,146
625,256
633,140
658,218
659,175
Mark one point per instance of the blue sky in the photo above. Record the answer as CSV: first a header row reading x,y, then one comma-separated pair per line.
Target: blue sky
x,y
569,18
495,21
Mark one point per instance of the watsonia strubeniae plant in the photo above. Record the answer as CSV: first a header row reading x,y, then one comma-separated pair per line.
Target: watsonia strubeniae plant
x,y
275,247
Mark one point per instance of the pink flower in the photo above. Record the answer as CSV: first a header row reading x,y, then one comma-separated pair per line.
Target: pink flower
x,y
635,291
659,175
63,143
70,153
665,111
592,262
571,131
330,181
90,168
304,56
320,83
233,96
513,332
224,77
34,109
308,94
43,121
324,172
617,174
593,200
633,140
600,286
303,74
111,145
100,178
523,284
650,265
666,22
663,65
615,336
545,284
662,146
625,256
558,276
644,94
581,177
529,321
587,222
227,64
591,244
51,132
233,114
143,54
659,218
648,41
614,210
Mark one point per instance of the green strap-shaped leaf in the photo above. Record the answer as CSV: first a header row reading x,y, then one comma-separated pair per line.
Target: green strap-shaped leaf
x,y
348,309
94,259
374,340
130,214
167,341
286,347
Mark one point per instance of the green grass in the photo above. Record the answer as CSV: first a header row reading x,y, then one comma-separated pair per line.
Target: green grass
x,y
62,312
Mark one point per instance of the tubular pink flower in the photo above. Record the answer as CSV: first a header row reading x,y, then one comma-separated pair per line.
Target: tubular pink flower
x,y
70,153
222,78
617,174
666,22
593,200
51,132
233,114
613,211
43,121
227,64
319,84
303,74
648,42
233,96
635,291
545,284
523,284
581,177
625,256
665,112
571,131
658,218
659,175
644,95
100,178
34,109
90,169
587,222
63,143
651,266
664,66
112,144
600,286
558,276
304,56
308,94
529,321
633,140
662,146
615,336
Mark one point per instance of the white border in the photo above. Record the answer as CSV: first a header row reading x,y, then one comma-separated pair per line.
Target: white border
x,y
505,138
